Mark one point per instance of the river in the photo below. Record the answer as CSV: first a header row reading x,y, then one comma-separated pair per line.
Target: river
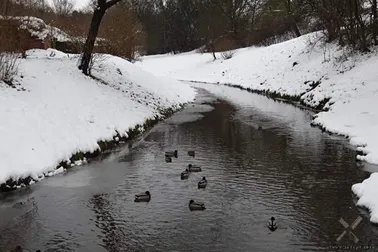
x,y
286,169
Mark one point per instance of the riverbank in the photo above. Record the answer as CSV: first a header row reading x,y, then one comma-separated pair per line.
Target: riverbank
x,y
54,117
307,70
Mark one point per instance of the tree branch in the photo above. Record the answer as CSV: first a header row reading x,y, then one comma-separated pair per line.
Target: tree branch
x,y
111,3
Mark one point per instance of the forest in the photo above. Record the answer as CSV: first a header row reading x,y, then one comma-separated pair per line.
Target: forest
x,y
163,26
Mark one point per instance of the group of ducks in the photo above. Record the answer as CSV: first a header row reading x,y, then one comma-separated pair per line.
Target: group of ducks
x,y
146,197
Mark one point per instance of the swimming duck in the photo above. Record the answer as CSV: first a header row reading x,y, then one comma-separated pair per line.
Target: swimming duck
x,y
271,225
168,159
185,174
196,206
17,249
191,153
202,183
146,197
171,153
19,204
194,168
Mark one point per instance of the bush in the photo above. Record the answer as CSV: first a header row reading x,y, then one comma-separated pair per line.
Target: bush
x,y
227,55
11,45
8,67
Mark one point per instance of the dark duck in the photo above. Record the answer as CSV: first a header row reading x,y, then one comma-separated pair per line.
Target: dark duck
x,y
272,225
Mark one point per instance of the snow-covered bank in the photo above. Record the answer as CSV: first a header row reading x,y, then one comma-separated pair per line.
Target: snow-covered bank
x,y
305,69
56,111
367,192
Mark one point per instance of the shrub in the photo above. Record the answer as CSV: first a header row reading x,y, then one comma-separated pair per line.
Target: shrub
x,y
227,54
8,67
11,44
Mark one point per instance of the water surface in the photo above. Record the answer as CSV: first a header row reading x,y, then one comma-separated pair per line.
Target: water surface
x,y
287,169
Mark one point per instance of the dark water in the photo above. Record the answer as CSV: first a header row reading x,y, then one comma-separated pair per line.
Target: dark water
x,y
288,170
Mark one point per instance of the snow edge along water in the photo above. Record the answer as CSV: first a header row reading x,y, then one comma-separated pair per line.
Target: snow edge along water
x,y
54,117
84,157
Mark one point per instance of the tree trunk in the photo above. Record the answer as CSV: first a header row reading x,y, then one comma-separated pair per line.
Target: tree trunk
x,y
89,43
295,28
6,8
213,49
362,33
292,19
375,24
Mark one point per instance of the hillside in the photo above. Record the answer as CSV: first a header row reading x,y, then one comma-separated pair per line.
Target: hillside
x,y
54,111
305,69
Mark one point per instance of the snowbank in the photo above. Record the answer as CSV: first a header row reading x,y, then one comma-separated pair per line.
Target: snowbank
x,y
57,111
304,69
367,192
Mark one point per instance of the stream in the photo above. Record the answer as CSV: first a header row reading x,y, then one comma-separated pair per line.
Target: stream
x,y
261,158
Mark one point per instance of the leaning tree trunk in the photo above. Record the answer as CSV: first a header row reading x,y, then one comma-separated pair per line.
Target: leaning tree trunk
x,y
375,23
89,43
292,19
295,28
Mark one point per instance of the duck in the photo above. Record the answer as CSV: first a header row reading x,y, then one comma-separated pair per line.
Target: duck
x,y
191,153
194,168
171,153
271,225
202,183
185,174
168,159
145,197
17,249
18,204
193,206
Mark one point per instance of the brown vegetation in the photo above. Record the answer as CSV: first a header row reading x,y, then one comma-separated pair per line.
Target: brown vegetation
x,y
135,26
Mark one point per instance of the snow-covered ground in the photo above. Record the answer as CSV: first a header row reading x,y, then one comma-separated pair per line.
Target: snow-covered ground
x,y
317,73
56,111
347,81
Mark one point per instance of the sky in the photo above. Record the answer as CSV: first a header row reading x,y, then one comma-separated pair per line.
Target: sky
x,y
80,3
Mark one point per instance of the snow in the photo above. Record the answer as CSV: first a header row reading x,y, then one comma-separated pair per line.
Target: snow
x,y
56,172
348,87
349,95
367,192
39,29
63,111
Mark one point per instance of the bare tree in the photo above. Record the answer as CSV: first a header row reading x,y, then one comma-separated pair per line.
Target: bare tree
x,y
4,7
63,7
375,21
236,13
123,32
101,7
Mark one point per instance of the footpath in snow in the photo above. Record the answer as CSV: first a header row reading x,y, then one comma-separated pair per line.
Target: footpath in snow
x,y
305,69
55,111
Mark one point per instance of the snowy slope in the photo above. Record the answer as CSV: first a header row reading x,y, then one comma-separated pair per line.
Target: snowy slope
x,y
292,68
62,111
305,68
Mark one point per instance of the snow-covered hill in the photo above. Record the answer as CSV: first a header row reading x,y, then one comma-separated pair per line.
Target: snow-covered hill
x,y
56,111
318,74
